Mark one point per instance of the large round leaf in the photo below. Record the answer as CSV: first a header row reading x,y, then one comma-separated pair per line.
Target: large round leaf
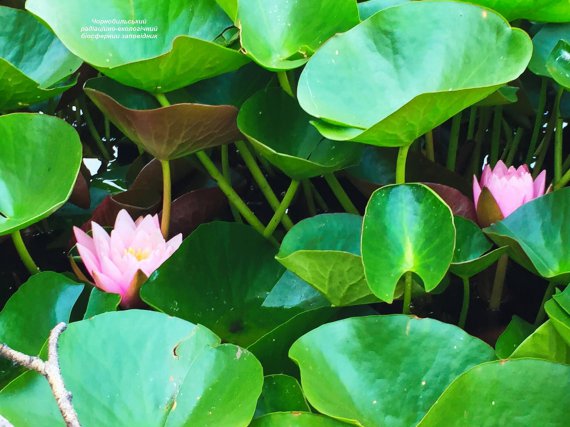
x,y
142,369
538,234
283,34
27,318
383,83
470,256
221,277
154,46
407,228
517,393
383,370
533,10
33,62
39,162
544,42
324,250
165,132
281,131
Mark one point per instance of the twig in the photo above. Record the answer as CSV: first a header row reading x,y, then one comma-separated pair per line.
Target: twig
x,y
50,370
4,422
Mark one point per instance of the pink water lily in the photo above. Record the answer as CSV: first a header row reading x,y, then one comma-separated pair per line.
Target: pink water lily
x,y
509,187
121,262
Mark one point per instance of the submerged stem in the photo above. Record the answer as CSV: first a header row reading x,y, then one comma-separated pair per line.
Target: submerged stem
x,y
166,197
23,253
340,194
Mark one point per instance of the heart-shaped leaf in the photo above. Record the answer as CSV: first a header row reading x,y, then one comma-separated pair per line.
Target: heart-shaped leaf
x,y
40,158
180,372
27,318
220,277
383,87
544,42
154,46
296,419
560,319
471,246
324,250
407,228
516,332
558,63
493,392
533,10
383,370
538,234
33,62
283,34
281,131
281,393
544,343
101,302
368,8
168,132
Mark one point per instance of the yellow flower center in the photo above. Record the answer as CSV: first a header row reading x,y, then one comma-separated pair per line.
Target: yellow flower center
x,y
139,254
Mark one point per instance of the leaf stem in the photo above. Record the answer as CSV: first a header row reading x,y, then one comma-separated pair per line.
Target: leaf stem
x,y
93,130
430,150
465,305
514,146
407,293
499,283
282,208
545,143
471,123
225,155
484,118
24,253
284,83
538,120
309,197
340,194
496,135
162,99
261,181
230,193
166,197
558,138
453,142
541,315
401,164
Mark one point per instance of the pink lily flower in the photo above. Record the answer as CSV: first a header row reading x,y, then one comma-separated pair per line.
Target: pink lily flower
x,y
509,188
121,262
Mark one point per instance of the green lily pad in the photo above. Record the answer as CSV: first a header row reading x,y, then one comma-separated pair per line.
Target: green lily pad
x,y
220,277
471,254
281,393
101,302
230,7
383,370
33,62
283,34
516,332
131,41
29,315
324,250
368,8
181,374
538,234
533,10
563,299
492,393
504,96
165,132
40,161
296,419
558,63
384,87
544,343
560,319
395,241
544,42
282,133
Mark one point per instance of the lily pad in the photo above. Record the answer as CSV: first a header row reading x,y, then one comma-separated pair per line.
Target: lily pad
x,y
544,42
544,343
101,302
296,419
383,87
282,133
383,370
281,393
533,10
283,34
504,96
538,234
407,228
491,393
560,319
558,64
324,250
131,41
34,64
29,315
181,374
516,332
165,132
39,162
471,254
220,277
368,8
